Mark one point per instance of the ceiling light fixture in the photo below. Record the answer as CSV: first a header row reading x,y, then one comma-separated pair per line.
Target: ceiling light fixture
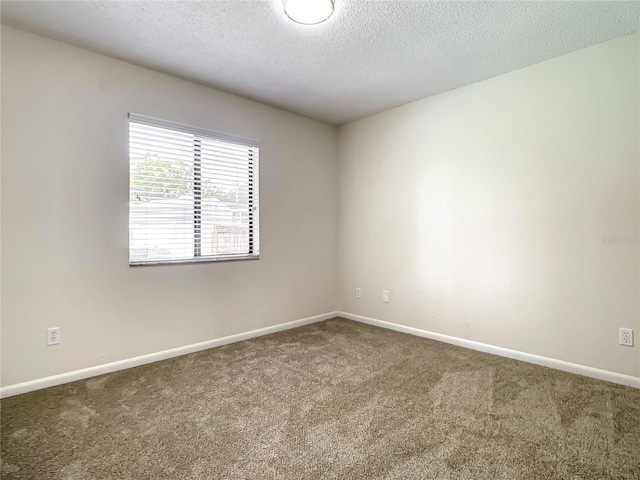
x,y
308,12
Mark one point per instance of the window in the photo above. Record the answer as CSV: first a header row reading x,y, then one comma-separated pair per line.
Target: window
x,y
193,194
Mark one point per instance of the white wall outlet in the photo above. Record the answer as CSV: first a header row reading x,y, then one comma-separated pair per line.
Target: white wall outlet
x,y
626,336
53,336
385,296
358,293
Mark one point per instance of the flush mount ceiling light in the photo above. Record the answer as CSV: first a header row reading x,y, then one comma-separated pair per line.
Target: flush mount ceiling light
x,y
308,12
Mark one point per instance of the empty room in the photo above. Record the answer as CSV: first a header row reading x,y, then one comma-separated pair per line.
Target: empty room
x,y
320,239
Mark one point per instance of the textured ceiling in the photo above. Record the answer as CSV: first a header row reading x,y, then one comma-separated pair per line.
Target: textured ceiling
x,y
370,56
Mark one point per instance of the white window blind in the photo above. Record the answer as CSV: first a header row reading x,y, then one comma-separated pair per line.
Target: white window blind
x,y
193,194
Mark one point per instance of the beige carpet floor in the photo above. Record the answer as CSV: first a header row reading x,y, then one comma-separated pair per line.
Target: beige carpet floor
x,y
335,400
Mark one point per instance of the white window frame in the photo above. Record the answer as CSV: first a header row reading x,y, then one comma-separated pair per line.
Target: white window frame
x,y
253,252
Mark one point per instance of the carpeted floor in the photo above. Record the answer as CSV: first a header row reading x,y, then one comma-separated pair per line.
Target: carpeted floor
x,y
336,400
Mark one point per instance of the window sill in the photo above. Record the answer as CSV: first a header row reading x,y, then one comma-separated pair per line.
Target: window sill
x,y
179,261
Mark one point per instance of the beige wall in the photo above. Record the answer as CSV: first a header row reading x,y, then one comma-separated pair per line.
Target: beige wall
x,y
484,209
65,215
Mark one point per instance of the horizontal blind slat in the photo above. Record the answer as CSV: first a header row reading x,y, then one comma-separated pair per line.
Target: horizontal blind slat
x,y
152,145
138,154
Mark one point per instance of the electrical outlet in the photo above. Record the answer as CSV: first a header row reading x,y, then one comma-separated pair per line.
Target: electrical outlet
x,y
53,336
385,296
358,293
626,336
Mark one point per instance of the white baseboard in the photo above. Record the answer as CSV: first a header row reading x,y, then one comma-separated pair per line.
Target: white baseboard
x,y
81,374
592,372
